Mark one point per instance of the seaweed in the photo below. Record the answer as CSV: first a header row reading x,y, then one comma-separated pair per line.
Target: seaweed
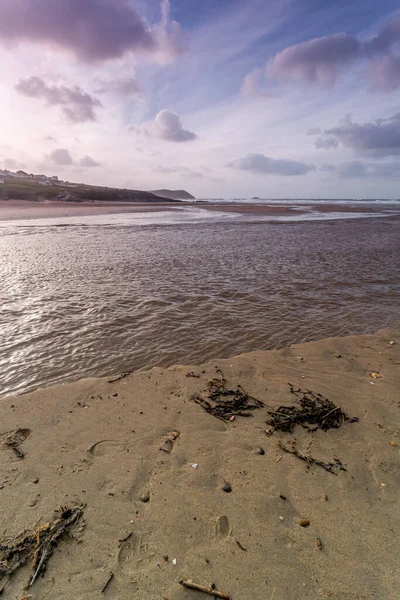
x,y
36,544
224,403
313,409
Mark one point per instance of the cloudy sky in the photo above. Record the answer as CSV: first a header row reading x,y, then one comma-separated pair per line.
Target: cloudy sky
x,y
234,98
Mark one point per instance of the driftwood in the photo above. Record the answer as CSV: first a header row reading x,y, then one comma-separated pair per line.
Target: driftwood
x,y
313,409
334,467
107,583
36,544
224,403
207,590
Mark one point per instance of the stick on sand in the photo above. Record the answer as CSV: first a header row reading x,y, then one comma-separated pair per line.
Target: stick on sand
x,y
206,590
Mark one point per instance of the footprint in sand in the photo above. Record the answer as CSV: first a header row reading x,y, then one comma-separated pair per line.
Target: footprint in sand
x,y
15,438
104,447
222,527
129,546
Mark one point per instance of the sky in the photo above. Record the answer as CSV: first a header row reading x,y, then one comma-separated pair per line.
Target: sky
x,y
224,98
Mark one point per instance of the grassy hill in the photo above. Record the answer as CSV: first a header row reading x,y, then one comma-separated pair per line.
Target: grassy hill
x,y
26,189
174,194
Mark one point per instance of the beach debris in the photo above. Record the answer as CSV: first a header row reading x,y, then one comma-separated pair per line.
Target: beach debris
x,y
14,439
394,444
174,561
375,375
331,467
195,466
232,418
227,488
240,546
107,583
304,523
37,545
391,343
174,434
211,591
314,409
319,544
223,402
282,497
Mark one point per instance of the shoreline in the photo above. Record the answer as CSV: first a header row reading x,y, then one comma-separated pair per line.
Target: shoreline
x,y
127,446
24,209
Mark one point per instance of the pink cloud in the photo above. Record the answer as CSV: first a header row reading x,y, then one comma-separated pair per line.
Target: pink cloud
x,y
92,30
385,73
322,60
317,61
78,106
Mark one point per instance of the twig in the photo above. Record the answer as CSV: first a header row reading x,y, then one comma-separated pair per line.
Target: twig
x,y
36,545
206,590
330,467
240,546
107,583
52,581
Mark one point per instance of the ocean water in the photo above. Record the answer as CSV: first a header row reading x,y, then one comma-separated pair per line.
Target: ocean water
x,y
105,294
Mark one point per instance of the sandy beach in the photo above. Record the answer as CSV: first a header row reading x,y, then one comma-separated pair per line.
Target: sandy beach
x,y
25,209
150,465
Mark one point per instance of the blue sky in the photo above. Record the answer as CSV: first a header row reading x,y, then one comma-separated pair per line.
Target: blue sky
x,y
230,98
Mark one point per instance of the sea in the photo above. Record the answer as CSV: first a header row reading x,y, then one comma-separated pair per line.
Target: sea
x,y
107,294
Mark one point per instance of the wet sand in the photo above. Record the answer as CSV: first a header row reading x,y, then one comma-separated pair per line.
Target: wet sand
x,y
126,448
23,209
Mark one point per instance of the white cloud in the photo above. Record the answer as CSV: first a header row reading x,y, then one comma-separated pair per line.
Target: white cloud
x,y
166,126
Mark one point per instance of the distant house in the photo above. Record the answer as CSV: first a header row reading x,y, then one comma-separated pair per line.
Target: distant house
x,y
1,180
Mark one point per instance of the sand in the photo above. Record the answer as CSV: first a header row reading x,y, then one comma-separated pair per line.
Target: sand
x,y
98,443
25,209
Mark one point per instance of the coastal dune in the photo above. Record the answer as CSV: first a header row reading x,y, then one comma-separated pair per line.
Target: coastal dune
x,y
173,493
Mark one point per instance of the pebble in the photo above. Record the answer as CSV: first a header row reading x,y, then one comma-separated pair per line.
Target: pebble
x,y
145,497
261,451
376,375
232,418
174,561
36,480
195,466
392,343
394,444
281,518
283,497
227,488
304,523
319,544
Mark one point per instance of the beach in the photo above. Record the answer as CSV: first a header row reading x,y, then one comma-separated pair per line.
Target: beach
x,y
25,209
149,464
